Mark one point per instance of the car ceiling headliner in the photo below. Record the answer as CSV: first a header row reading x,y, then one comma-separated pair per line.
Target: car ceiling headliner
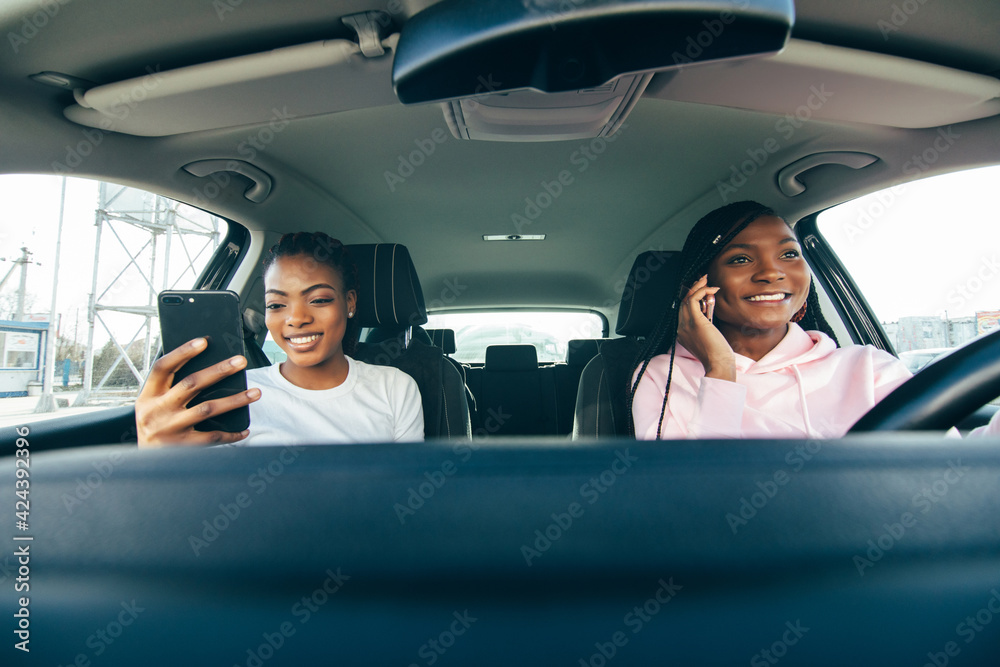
x,y
642,192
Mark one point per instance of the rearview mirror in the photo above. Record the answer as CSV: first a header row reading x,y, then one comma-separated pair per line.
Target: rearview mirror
x,y
457,48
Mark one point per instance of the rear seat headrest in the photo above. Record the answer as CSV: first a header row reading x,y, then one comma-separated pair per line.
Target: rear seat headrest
x,y
381,334
443,338
511,358
581,350
649,290
389,291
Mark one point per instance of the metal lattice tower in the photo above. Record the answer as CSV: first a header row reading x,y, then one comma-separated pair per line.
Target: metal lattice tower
x,y
165,228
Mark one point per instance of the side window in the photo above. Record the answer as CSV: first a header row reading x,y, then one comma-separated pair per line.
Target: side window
x,y
272,351
117,248
926,255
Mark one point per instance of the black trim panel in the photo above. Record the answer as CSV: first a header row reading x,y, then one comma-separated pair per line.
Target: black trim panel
x,y
550,546
850,303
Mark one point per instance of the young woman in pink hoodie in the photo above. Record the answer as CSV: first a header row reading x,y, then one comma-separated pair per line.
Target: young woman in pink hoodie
x,y
743,351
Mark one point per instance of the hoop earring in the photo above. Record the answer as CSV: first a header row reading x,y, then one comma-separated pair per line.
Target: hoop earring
x,y
797,317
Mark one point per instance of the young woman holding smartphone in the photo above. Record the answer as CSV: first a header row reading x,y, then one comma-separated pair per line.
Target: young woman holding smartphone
x,y
318,395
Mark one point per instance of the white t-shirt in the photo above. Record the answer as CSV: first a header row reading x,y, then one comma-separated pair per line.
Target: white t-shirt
x,y
374,404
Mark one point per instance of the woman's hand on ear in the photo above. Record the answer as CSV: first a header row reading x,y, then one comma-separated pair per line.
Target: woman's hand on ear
x,y
700,337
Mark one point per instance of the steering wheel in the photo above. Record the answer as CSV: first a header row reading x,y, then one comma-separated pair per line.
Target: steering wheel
x,y
944,393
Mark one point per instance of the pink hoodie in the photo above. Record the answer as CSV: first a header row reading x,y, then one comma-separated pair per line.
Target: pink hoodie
x,y
805,387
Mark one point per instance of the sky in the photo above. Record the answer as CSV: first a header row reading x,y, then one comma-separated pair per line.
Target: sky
x,y
29,216
925,248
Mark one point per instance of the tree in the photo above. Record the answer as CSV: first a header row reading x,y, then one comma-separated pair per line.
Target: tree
x,y
8,304
66,347
121,376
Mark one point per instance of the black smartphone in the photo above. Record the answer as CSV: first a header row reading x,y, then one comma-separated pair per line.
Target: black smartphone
x,y
215,316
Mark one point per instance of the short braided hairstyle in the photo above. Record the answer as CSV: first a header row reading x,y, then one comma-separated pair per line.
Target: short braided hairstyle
x,y
324,250
703,244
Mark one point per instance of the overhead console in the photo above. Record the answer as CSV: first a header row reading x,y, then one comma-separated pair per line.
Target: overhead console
x,y
526,115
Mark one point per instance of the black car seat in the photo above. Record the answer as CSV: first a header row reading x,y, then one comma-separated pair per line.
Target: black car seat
x,y
601,400
516,393
445,339
391,304
579,352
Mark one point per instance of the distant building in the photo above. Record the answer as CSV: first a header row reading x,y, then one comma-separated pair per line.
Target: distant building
x,y
963,329
22,348
891,329
921,332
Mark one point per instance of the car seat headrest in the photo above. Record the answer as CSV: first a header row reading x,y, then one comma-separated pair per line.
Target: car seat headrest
x,y
389,291
443,338
649,290
581,350
381,334
511,358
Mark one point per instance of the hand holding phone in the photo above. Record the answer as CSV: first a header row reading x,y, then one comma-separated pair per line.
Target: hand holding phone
x,y
697,332
196,393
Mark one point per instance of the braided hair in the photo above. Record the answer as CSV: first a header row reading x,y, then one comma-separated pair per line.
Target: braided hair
x,y
323,249
704,243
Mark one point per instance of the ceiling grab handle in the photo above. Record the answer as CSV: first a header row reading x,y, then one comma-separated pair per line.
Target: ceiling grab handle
x,y
256,193
366,25
788,180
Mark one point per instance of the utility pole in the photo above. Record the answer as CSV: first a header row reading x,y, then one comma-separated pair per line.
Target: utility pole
x,y
22,289
46,403
17,262
22,262
88,370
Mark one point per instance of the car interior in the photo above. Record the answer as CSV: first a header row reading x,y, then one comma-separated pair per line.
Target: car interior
x,y
513,157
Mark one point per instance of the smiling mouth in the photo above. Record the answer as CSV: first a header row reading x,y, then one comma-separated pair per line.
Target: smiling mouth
x,y
765,298
303,340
